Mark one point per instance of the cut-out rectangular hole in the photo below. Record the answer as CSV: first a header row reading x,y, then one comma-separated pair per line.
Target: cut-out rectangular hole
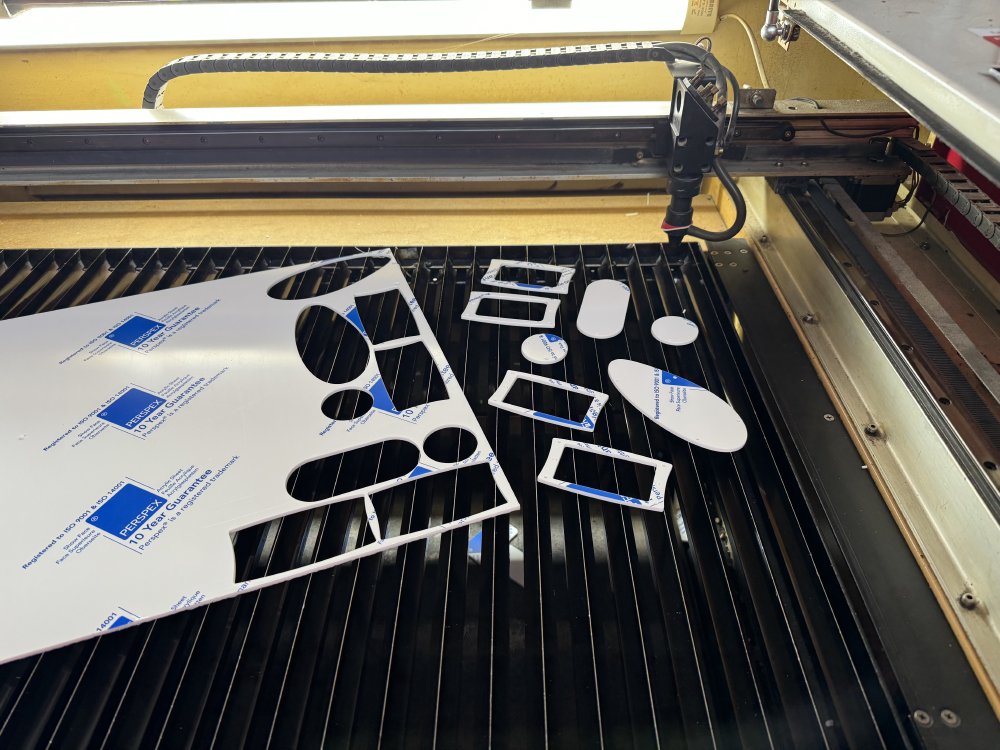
x,y
300,539
410,376
386,316
310,536
349,471
602,472
523,275
505,308
544,398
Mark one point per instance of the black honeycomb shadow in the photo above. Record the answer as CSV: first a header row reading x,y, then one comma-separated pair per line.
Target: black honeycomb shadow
x,y
352,470
410,376
386,316
326,278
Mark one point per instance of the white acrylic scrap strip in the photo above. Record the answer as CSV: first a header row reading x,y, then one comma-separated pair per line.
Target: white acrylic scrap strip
x,y
657,494
603,309
140,433
498,264
586,424
548,316
679,406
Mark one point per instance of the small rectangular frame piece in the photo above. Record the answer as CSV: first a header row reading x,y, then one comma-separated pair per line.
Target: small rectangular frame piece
x,y
560,287
657,494
548,319
589,419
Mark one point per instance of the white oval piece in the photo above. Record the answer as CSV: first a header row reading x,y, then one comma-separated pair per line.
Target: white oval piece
x,y
679,406
674,330
544,349
603,310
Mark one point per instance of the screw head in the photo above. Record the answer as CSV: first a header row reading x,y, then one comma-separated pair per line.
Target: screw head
x,y
809,318
922,718
925,246
872,430
639,154
779,163
764,238
829,417
950,718
968,600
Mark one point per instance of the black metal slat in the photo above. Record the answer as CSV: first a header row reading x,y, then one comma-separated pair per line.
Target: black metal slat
x,y
627,631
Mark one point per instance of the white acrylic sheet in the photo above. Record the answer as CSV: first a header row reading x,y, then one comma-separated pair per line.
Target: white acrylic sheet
x,y
497,265
657,493
598,400
139,434
549,307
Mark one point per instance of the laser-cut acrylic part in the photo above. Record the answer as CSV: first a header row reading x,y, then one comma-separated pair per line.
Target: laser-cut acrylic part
x,y
128,469
657,494
491,277
674,330
544,349
471,312
679,406
603,309
586,424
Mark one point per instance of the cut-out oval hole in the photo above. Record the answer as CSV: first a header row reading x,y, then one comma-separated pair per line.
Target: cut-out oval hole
x,y
330,346
353,470
327,278
349,404
450,445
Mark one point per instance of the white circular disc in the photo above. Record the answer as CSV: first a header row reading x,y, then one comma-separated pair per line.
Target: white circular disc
x,y
674,330
544,349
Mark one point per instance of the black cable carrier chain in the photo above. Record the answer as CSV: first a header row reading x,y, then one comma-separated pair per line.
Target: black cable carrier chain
x,y
434,62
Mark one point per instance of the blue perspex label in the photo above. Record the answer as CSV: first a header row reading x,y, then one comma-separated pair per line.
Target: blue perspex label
x,y
131,408
134,331
126,511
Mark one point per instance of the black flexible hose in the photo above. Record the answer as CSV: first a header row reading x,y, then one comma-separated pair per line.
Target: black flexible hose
x,y
738,201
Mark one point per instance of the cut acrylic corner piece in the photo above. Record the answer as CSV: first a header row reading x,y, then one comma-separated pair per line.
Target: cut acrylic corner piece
x,y
679,406
497,265
586,424
674,330
657,494
544,349
603,309
549,307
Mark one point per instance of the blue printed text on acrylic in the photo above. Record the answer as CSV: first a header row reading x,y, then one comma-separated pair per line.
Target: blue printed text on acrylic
x,y
419,471
134,331
126,511
668,378
380,397
122,620
355,318
131,408
609,495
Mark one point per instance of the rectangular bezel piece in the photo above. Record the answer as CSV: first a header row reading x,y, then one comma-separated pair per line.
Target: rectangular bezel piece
x,y
657,494
512,376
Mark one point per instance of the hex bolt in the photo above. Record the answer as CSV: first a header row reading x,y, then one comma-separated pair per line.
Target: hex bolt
x,y
922,718
968,600
872,430
788,134
810,319
950,718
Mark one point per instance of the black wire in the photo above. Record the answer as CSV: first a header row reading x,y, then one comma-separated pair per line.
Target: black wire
x,y
844,134
912,229
738,201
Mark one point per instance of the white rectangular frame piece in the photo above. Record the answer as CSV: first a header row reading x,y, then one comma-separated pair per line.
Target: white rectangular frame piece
x,y
497,264
657,494
548,318
586,424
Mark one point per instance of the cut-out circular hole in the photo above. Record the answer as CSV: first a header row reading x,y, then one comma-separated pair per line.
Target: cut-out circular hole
x,y
349,404
450,445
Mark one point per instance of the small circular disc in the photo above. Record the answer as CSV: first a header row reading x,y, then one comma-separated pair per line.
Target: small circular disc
x,y
544,349
674,330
